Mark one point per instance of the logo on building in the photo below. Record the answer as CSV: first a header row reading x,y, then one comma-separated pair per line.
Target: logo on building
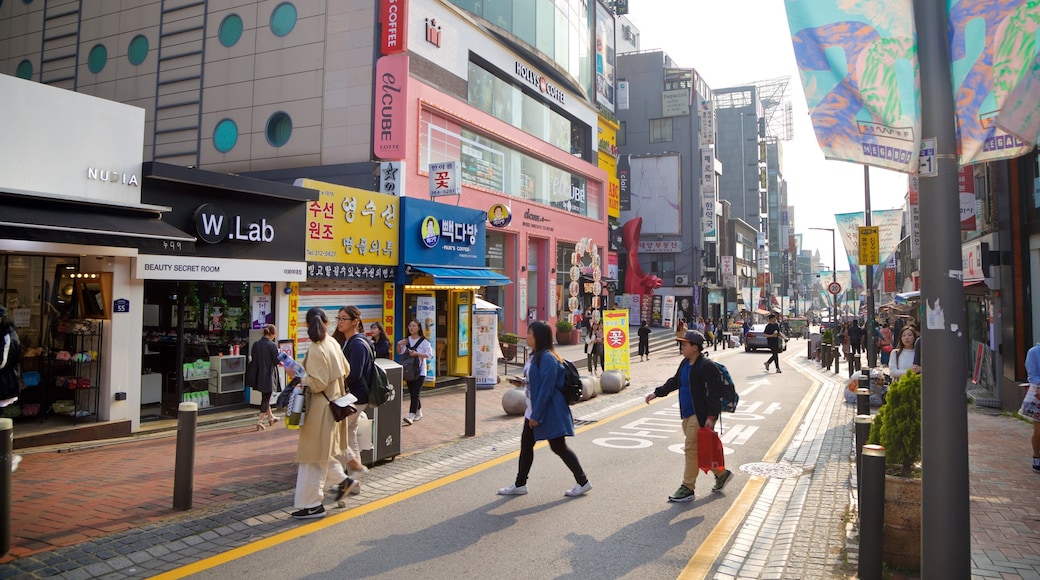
x,y
433,32
499,215
213,226
431,231
98,174
541,83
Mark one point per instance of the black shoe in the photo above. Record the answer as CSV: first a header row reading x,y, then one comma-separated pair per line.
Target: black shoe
x,y
346,485
310,513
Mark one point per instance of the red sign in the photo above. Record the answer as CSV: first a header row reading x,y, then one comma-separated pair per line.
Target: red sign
x,y
393,19
890,280
834,288
966,185
616,338
391,108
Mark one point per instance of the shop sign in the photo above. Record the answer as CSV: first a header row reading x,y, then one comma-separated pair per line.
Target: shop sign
x,y
391,177
973,260
538,81
706,113
969,209
112,176
660,246
499,215
675,103
389,305
213,226
350,226
441,234
433,32
320,271
456,232
156,267
445,179
391,94
393,19
120,306
707,170
622,96
535,221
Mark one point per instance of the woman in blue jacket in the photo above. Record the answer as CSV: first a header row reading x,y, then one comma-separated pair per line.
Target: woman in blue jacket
x,y
547,417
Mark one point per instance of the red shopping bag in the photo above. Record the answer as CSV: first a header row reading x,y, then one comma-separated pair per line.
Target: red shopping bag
x,y
710,456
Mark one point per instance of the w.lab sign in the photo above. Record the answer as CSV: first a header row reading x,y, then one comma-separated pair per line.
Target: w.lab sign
x,y
151,267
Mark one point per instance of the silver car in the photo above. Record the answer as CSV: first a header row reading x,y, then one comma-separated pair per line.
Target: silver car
x,y
756,338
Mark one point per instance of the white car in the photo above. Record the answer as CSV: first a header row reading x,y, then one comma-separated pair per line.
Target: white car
x,y
756,338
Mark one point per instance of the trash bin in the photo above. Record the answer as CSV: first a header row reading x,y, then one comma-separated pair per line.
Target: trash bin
x,y
385,419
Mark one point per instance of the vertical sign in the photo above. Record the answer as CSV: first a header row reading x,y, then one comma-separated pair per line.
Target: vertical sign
x,y
445,179
391,178
727,265
389,305
521,297
294,314
391,92
966,185
426,314
622,95
616,341
869,249
393,19
485,347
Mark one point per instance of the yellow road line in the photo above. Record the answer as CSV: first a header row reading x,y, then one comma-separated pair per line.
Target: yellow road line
x,y
328,521
704,558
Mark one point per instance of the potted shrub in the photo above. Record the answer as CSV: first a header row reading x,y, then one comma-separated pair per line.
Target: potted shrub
x,y
507,342
565,333
897,428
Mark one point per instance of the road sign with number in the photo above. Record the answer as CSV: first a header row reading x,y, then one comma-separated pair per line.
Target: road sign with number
x,y
928,166
869,253
834,288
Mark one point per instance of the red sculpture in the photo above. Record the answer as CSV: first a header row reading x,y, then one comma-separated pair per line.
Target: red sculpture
x,y
636,282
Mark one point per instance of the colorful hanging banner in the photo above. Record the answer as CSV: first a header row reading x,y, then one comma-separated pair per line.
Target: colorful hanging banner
x,y
616,341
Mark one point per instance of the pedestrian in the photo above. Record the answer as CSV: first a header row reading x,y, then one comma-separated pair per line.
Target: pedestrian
x,y
358,352
680,331
773,337
699,383
415,345
885,343
263,376
10,361
904,356
597,348
380,340
1031,403
744,329
855,337
644,340
547,417
322,439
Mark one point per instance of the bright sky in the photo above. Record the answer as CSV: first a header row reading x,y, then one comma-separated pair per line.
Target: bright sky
x,y
734,42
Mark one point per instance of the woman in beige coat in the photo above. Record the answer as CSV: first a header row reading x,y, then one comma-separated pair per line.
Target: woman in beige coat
x,y
322,439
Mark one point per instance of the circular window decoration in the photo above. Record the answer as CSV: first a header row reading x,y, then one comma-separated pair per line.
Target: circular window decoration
x,y
24,70
230,30
225,135
585,262
97,59
279,129
138,50
283,19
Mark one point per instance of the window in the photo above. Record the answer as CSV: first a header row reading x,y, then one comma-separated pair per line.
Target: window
x,y
230,30
138,50
24,70
661,130
279,129
97,58
225,135
283,19
663,265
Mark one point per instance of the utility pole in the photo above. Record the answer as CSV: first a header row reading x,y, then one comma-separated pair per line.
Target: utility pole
x,y
945,509
871,348
834,271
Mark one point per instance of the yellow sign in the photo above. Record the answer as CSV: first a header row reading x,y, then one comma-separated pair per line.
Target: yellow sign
x,y
869,248
294,313
616,341
608,154
350,225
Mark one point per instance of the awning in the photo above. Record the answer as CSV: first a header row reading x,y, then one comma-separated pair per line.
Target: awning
x,y
89,225
906,297
481,304
462,276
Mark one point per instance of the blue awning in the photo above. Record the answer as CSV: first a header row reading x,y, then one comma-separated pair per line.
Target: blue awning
x,y
463,276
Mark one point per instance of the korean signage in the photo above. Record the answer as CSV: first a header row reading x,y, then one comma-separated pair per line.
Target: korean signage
x,y
616,341
966,185
347,226
660,246
393,20
707,170
442,235
391,92
445,179
706,113
869,249
915,219
727,265
389,322
974,260
391,177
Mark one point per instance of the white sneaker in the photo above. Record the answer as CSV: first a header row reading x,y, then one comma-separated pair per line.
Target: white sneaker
x,y
578,489
418,415
409,419
513,490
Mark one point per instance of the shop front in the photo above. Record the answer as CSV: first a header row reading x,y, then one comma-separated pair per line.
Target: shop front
x,y
982,309
203,309
445,251
352,256
72,222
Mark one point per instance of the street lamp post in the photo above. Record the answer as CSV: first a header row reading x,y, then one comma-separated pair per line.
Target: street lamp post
x,y
834,270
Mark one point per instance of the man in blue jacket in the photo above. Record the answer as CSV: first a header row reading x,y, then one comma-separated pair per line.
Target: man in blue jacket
x,y
699,384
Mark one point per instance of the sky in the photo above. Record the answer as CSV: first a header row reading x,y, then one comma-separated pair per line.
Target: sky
x,y
734,42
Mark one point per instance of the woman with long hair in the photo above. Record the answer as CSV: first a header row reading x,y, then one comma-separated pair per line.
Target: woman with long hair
x,y
412,346
380,340
263,362
359,355
322,439
547,416
903,358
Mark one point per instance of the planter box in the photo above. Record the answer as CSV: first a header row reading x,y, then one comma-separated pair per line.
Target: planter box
x,y
901,534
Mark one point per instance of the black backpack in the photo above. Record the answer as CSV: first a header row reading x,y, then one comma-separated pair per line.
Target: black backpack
x,y
571,382
378,385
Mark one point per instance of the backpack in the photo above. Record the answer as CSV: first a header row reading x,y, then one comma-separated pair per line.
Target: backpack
x,y
729,396
379,388
412,364
571,382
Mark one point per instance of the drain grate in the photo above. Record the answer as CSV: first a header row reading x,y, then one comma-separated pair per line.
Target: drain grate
x,y
780,470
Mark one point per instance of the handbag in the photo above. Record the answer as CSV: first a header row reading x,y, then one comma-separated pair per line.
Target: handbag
x,y
1031,404
710,454
341,407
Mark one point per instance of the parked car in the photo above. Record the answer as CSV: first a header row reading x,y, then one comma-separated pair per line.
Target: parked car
x,y
756,339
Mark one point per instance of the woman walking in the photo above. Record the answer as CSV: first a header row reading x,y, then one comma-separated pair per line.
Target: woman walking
x,y
359,355
595,348
380,340
547,416
322,439
263,360
415,345
680,332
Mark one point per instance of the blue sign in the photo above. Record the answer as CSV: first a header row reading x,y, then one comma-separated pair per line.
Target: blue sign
x,y
121,305
439,234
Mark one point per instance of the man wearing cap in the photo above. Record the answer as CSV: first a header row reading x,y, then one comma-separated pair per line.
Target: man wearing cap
x,y
773,335
699,384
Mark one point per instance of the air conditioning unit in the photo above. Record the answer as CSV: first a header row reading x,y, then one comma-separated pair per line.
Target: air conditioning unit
x,y
682,280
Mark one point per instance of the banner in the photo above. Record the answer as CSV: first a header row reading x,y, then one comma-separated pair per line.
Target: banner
x,y
889,223
485,348
616,341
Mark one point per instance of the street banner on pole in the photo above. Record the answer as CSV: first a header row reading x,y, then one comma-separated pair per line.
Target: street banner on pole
x,y
616,343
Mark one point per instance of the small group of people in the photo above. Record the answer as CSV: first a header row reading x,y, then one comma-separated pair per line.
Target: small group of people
x,y
592,334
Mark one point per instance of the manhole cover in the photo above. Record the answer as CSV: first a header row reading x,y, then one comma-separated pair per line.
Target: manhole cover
x,y
779,470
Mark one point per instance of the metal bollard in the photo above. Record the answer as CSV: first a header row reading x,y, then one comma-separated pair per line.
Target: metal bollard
x,y
871,512
184,464
6,459
862,401
837,360
471,406
863,423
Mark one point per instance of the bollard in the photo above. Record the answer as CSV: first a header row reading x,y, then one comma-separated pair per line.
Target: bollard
x,y
471,406
6,459
859,362
809,354
862,401
184,464
837,360
863,423
871,512
864,379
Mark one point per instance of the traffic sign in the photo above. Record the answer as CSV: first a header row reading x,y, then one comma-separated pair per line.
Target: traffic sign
x,y
834,288
869,253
